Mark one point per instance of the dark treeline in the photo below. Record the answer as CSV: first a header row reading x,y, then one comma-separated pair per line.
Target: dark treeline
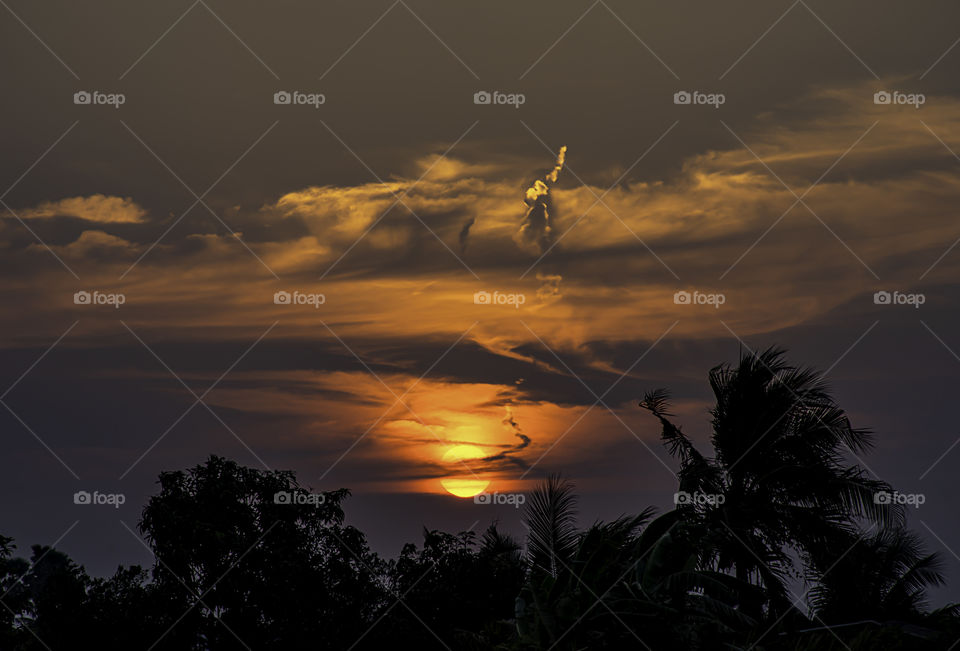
x,y
776,542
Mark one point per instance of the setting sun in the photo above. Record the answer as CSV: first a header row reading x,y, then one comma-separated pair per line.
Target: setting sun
x,y
466,484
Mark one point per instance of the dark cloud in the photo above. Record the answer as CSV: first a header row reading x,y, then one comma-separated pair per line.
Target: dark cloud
x,y
307,199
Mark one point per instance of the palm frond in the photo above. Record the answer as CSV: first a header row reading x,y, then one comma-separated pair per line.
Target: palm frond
x,y
550,518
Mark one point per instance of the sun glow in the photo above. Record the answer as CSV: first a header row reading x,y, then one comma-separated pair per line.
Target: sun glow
x,y
465,484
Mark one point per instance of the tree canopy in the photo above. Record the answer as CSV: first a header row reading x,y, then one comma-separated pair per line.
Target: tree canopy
x,y
777,541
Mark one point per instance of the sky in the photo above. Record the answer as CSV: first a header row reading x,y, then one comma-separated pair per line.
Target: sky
x,y
387,267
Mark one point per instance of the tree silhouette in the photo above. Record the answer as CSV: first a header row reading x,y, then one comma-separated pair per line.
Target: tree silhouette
x,y
778,483
250,559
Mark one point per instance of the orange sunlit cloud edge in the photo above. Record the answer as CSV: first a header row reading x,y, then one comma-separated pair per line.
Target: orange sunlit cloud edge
x,y
718,204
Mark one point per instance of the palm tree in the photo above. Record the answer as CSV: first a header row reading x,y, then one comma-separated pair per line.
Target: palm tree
x,y
628,583
881,577
869,592
551,523
779,480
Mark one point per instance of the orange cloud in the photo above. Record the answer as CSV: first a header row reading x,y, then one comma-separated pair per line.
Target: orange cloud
x,y
94,208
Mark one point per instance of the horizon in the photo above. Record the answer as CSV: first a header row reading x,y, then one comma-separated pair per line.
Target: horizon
x,y
425,252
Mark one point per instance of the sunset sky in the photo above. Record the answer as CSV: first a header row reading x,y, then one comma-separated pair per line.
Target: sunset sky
x,y
399,198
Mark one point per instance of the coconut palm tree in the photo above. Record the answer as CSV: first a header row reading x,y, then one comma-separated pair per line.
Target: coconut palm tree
x,y
778,480
883,577
628,583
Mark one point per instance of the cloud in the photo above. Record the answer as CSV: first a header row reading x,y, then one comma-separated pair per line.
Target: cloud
x,y
890,200
465,233
535,231
94,208
549,289
510,455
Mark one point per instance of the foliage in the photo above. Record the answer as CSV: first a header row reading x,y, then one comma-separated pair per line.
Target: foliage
x,y
775,503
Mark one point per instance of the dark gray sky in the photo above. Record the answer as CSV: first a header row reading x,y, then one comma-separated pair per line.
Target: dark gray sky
x,y
399,197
